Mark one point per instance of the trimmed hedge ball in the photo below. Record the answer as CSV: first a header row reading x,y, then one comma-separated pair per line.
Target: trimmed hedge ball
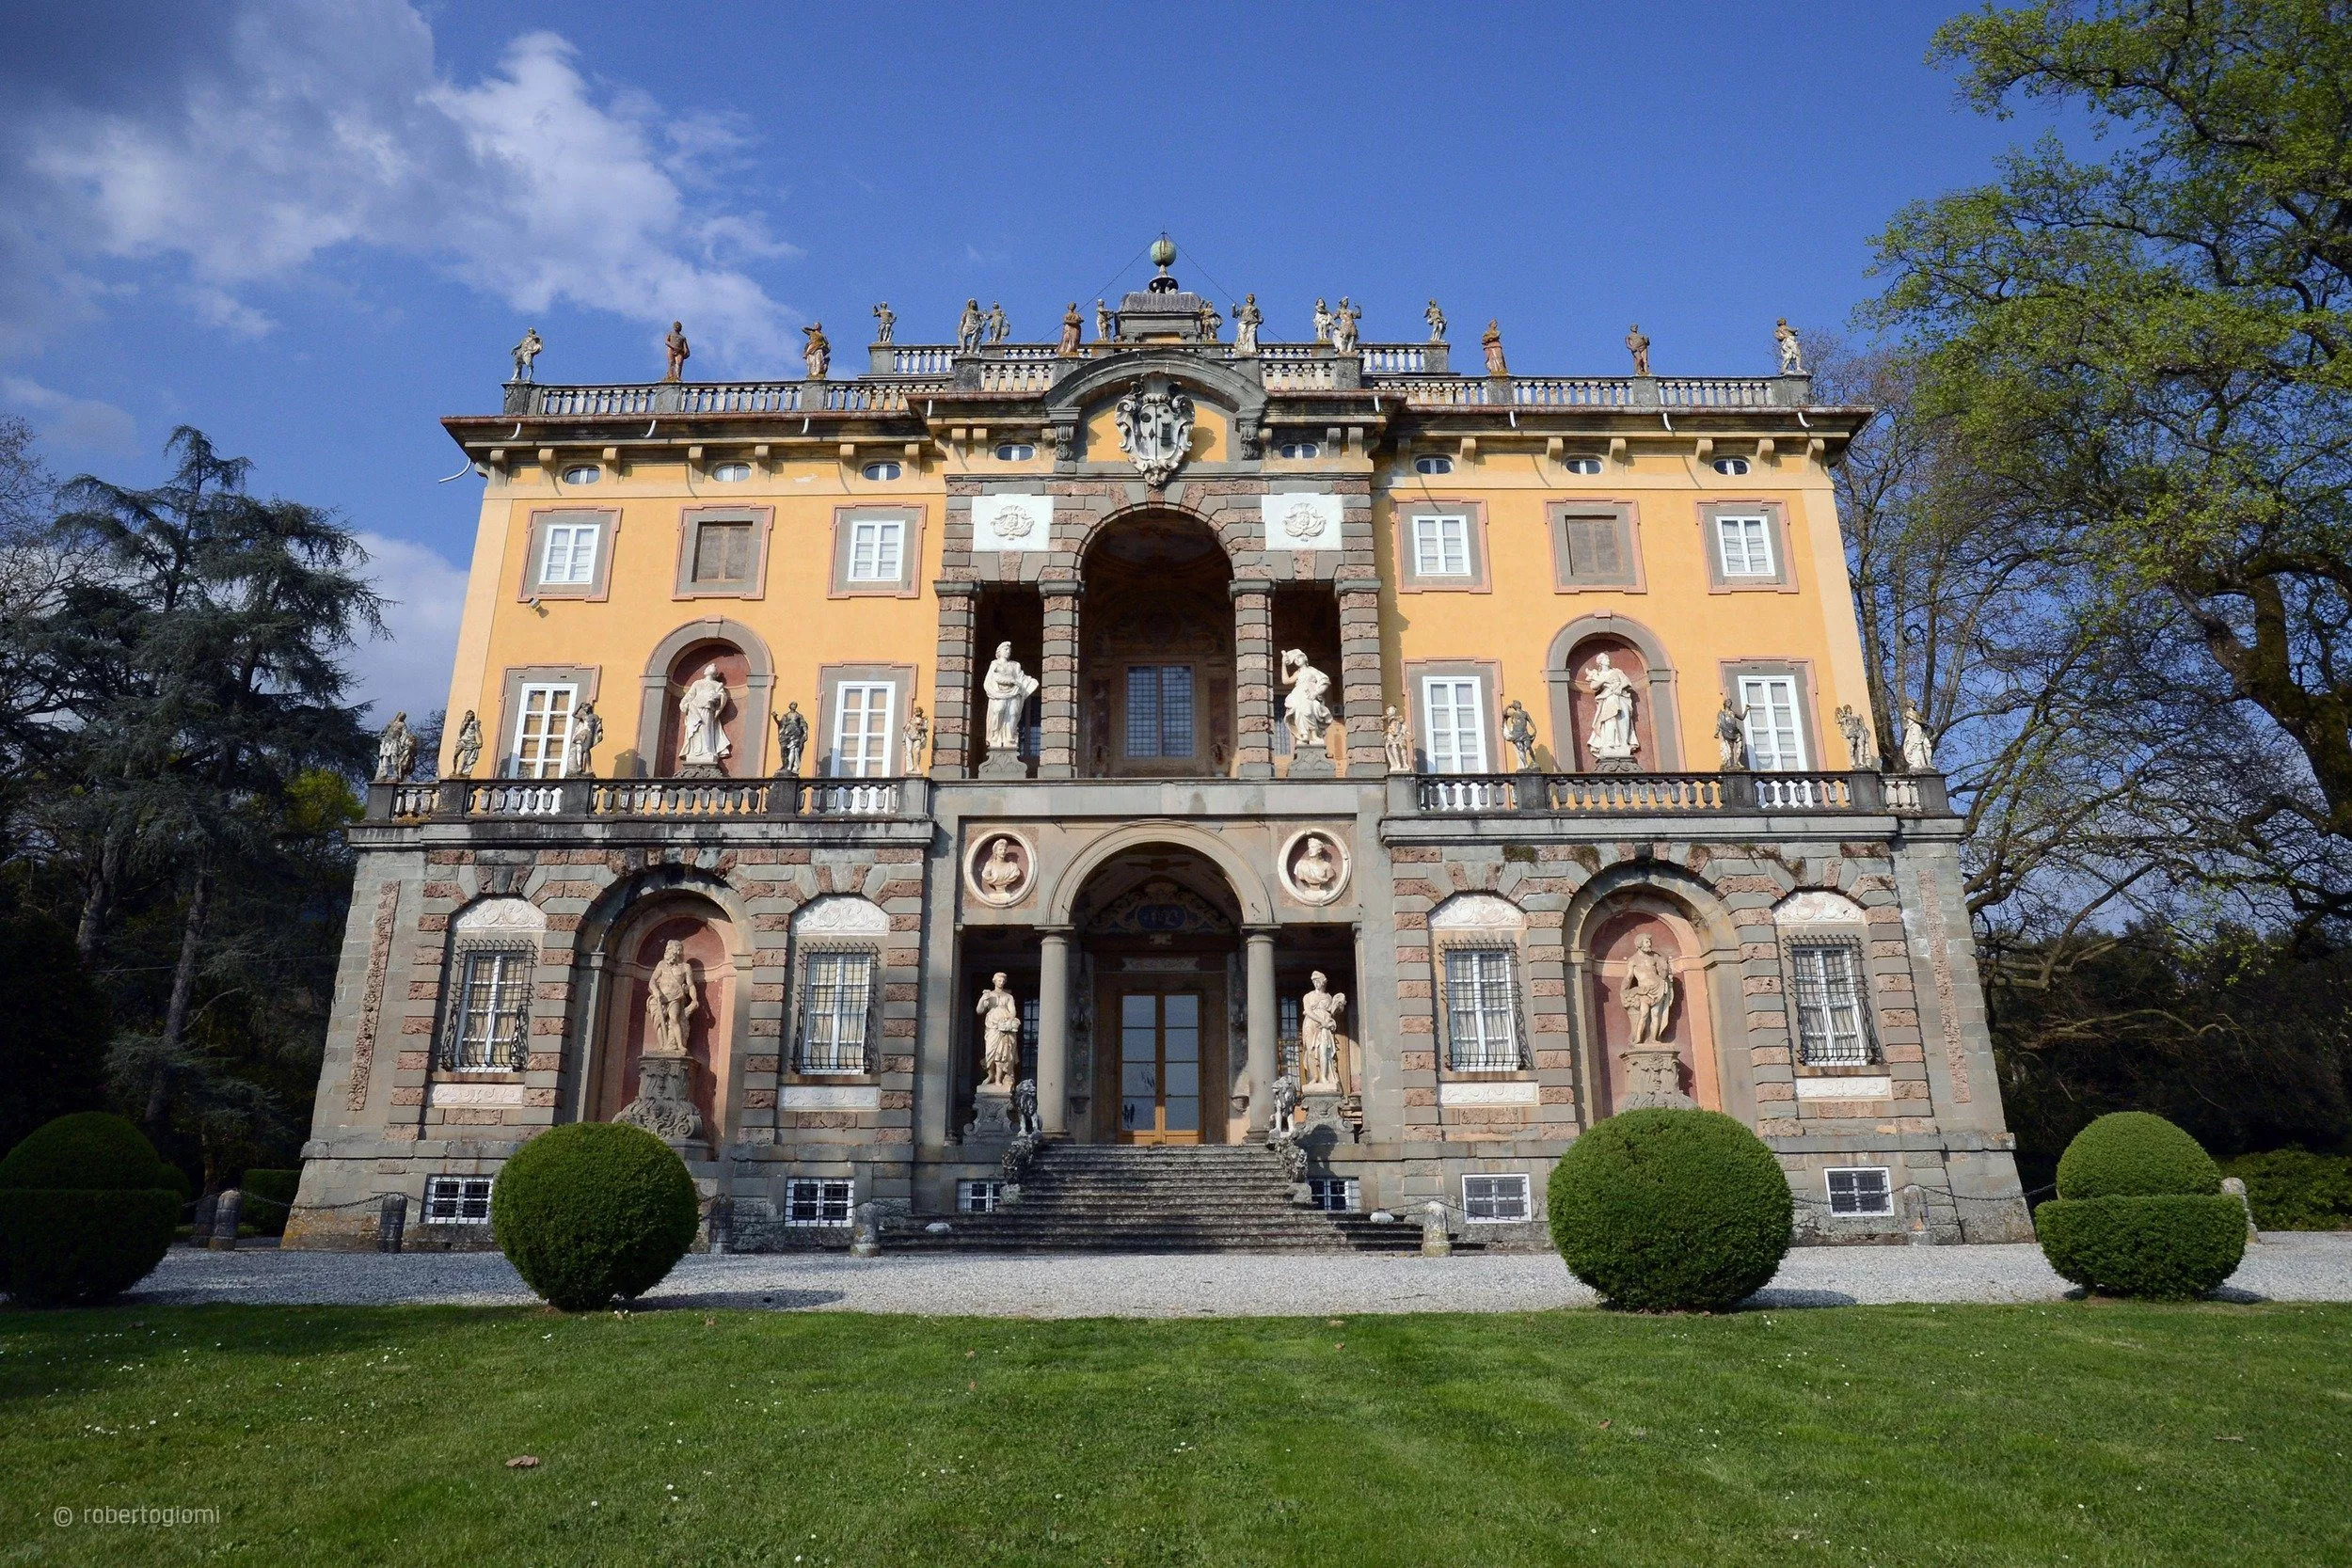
x,y
88,1212
2171,1247
594,1211
2135,1155
1671,1210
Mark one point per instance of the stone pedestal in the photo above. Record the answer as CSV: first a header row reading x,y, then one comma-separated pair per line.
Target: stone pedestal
x,y
1617,764
1005,765
1310,762
664,1105
1653,1077
992,1123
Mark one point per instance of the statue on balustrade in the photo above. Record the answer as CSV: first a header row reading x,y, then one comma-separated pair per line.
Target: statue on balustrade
x,y
526,353
1791,351
703,743
1612,741
1397,736
1009,688
1072,329
1344,325
396,751
1436,318
817,351
970,326
1210,323
1246,320
791,739
679,353
1860,743
916,734
885,323
1638,345
579,747
1648,998
1322,322
1000,1037
1519,730
1491,340
999,324
1731,735
469,751
1106,325
1319,1013
1918,747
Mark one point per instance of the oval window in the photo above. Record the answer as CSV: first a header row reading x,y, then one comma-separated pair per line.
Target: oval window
x,y
583,473
1300,449
1584,464
1734,466
731,474
1015,452
1433,465
880,470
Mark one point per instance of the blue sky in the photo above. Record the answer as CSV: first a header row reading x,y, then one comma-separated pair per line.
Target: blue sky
x,y
311,228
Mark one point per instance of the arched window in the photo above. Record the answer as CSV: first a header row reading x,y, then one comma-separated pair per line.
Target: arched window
x,y
883,471
730,473
1584,464
583,473
1433,465
1731,465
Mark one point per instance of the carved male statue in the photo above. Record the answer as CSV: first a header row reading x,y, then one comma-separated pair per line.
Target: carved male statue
x,y
885,323
970,326
1072,328
1210,323
1649,993
1304,708
1918,749
1319,1013
1791,352
526,352
1436,318
791,739
702,739
817,351
1519,730
1612,737
1398,738
580,761
916,734
1343,322
1009,688
468,749
1861,745
1316,872
1246,320
1637,345
1731,735
1322,322
1001,872
671,1002
999,324
1000,1035
679,353
395,751
1491,340
1105,327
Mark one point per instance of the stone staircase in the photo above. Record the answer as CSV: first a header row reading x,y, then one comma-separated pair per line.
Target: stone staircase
x,y
1220,1197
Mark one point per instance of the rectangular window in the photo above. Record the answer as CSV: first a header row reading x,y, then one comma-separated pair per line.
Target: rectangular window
x,y
487,1032
836,1001
1744,545
1482,1010
722,552
1829,1004
1867,1190
1286,1034
1596,548
979,1197
1453,706
862,714
543,729
1775,741
876,547
1159,711
1335,1195
809,1201
1494,1199
457,1199
569,558
1441,547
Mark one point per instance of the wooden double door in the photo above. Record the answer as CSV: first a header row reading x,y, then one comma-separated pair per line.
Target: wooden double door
x,y
1166,1054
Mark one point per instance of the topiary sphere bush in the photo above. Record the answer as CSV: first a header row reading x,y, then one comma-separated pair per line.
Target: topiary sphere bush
x,y
86,1210
1666,1211
594,1211
2140,1213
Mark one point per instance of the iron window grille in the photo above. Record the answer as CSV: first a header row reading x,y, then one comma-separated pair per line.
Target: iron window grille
x,y
837,1011
489,1022
810,1201
457,1199
1861,1190
1833,1025
1494,1199
1482,1010
979,1197
1335,1195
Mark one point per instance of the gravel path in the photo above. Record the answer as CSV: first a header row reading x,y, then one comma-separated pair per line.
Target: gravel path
x,y
2287,1267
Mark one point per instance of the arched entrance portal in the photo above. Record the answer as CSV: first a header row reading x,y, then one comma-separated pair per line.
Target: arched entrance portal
x,y
1155,680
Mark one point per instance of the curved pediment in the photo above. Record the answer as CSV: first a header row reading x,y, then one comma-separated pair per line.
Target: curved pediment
x,y
1103,380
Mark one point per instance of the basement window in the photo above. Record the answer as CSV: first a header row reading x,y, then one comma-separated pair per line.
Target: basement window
x,y
811,1202
1335,1195
1865,1190
1494,1199
979,1197
457,1199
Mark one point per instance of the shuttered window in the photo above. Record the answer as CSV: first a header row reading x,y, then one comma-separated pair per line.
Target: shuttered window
x,y
723,553
1596,548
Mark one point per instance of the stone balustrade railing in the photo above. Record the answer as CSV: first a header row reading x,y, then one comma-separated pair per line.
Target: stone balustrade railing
x,y
1674,794
646,800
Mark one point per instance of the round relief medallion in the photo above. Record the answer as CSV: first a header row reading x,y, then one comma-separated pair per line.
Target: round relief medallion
x,y
1315,866
999,869
1301,521
1015,522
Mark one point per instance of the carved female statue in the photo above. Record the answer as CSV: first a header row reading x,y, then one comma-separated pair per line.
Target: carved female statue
x,y
1861,745
970,326
671,1002
916,734
1519,730
1001,873
1791,352
1491,340
1000,1035
1319,1013
1315,872
702,740
1648,998
1436,318
468,747
1246,318
1072,324
1007,686
1731,735
1919,748
579,748
886,322
1612,737
395,751
1344,322
1322,322
1105,328
816,351
791,737
1304,710
1398,738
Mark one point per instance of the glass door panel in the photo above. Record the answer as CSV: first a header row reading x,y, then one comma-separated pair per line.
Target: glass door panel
x,y
1159,1067
1138,1066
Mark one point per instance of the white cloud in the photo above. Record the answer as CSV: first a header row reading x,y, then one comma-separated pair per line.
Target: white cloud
x,y
409,672
66,421
315,126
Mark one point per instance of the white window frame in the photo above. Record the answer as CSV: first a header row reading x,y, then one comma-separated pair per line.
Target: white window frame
x,y
844,1042
979,1195
1584,464
1501,1189
1823,1039
1769,700
1886,1194
447,1198
880,472
583,473
541,752
1347,1189
873,542
730,473
812,1202
1441,545
1300,451
576,546
1733,466
1742,539
1015,452
1479,1035
866,753
1455,729
1433,463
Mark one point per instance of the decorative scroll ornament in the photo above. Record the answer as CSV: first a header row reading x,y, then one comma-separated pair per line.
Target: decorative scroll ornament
x,y
1154,422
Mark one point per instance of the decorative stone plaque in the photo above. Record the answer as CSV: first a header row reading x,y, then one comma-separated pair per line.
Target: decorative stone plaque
x,y
1012,522
1301,521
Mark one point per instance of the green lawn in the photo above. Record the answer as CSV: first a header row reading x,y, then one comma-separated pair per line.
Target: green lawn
x,y
2090,1433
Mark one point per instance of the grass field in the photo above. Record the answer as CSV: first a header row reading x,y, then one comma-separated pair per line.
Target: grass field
x,y
2069,1435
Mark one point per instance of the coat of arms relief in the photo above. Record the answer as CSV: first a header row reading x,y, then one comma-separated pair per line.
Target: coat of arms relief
x,y
1154,422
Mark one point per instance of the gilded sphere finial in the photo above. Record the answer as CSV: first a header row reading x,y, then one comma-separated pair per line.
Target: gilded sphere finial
x,y
1163,252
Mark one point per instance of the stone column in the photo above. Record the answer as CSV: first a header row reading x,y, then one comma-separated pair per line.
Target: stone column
x,y
1053,1030
1057,682
951,681
1253,686
1360,685
1263,1026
